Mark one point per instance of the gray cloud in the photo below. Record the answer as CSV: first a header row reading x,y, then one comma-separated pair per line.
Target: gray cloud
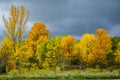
x,y
74,17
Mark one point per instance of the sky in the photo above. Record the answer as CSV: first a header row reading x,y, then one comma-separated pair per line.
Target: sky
x,y
74,17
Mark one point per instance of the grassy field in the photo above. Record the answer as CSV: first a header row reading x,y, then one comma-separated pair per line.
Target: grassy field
x,y
35,74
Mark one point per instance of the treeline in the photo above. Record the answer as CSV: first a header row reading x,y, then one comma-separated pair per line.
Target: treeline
x,y
37,50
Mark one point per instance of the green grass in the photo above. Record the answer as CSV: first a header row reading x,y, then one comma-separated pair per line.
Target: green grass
x,y
36,74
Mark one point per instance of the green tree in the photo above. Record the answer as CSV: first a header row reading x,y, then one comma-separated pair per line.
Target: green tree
x,y
50,53
112,53
117,54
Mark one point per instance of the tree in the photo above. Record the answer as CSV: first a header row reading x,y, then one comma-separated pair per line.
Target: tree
x,y
112,54
16,24
117,54
115,41
41,54
21,57
101,48
36,36
76,54
50,53
6,50
15,27
85,47
67,46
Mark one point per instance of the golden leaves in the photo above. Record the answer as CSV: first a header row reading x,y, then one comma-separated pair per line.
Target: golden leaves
x,y
16,24
66,42
38,49
67,45
86,46
38,33
101,47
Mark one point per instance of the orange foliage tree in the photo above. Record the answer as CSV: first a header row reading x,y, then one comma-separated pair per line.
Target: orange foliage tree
x,y
101,48
67,46
36,36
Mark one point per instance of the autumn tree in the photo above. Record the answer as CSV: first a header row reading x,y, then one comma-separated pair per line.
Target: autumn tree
x,y
6,51
67,46
14,29
101,48
85,47
50,53
76,54
16,24
36,36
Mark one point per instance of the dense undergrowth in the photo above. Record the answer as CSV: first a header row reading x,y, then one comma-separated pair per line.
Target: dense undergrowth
x,y
88,73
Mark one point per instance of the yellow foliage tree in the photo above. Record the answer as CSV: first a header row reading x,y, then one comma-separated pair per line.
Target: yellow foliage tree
x,y
6,52
16,24
21,57
85,47
15,27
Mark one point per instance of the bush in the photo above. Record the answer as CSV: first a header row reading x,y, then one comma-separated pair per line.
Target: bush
x,y
2,68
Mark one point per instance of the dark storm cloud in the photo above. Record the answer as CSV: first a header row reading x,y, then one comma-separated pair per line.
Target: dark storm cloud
x,y
74,17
